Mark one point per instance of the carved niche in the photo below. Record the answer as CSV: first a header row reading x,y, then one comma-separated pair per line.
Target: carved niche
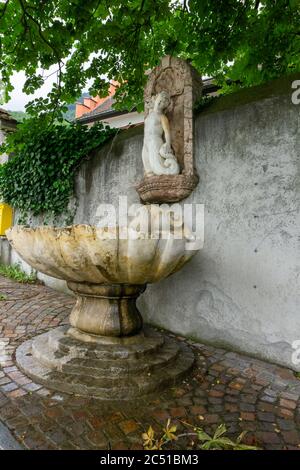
x,y
184,86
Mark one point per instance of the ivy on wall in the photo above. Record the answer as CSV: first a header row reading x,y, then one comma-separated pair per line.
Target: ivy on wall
x,y
39,176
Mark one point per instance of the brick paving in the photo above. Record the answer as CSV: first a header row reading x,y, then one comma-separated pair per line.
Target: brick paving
x,y
225,387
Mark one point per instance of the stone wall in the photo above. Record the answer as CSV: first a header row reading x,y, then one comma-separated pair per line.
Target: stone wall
x,y
242,290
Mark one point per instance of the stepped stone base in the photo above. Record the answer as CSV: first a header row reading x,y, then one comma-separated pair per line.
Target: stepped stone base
x,y
108,368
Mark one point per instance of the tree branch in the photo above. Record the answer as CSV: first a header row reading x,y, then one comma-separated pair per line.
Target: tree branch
x,y
39,27
48,43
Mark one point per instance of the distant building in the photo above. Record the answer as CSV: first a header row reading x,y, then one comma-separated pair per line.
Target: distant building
x,y
7,124
101,109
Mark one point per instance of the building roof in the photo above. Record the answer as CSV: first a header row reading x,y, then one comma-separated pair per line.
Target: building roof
x,y
6,120
5,115
107,105
105,108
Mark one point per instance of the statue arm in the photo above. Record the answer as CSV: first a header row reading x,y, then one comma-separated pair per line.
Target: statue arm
x,y
166,128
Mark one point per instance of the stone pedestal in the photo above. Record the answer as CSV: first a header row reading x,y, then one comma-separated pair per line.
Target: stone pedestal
x,y
166,188
108,368
105,353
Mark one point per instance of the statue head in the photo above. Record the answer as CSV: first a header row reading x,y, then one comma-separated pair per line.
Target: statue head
x,y
162,100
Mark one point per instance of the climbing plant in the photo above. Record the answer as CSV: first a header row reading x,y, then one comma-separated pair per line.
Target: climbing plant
x,y
39,177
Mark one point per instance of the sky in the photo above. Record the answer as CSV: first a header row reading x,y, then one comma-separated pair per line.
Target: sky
x,y
18,98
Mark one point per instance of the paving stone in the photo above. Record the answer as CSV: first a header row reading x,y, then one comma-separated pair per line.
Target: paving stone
x,y
247,407
263,406
216,393
179,412
9,387
247,398
285,424
270,417
288,414
291,437
211,418
128,426
231,417
269,399
245,393
231,407
17,393
4,381
248,416
268,437
215,401
198,410
291,405
266,426
216,409
162,415
290,396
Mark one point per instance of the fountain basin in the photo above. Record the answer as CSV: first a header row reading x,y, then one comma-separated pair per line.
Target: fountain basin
x,y
107,273
105,353
88,254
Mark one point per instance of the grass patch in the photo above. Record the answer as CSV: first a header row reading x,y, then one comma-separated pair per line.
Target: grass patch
x,y
2,297
16,273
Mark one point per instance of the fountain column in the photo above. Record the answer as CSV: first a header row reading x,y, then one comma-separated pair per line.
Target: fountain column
x,y
106,310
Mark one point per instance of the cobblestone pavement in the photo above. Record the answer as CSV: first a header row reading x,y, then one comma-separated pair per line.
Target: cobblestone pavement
x,y
242,392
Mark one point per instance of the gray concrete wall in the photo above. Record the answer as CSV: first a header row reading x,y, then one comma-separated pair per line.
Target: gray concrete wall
x,y
242,290
9,256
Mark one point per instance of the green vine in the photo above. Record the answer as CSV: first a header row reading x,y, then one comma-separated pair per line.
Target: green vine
x,y
39,177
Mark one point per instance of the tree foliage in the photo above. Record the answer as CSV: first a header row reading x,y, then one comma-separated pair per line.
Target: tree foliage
x,y
1,92
96,41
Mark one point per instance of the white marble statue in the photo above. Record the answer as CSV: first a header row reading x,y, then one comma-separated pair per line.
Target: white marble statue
x,y
158,156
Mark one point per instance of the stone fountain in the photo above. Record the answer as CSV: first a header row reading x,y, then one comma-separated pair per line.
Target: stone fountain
x,y
106,352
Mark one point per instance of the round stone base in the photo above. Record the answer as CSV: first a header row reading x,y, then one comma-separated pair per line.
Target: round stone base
x,y
102,367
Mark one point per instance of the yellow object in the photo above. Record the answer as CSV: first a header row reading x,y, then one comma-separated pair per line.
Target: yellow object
x,y
6,217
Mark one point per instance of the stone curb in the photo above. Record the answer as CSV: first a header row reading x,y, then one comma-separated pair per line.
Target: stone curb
x,y
7,441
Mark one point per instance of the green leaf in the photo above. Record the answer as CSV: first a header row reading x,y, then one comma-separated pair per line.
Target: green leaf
x,y
40,176
91,43
220,431
202,436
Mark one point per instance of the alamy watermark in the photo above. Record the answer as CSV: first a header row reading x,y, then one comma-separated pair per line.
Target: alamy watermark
x,y
154,221
296,353
296,93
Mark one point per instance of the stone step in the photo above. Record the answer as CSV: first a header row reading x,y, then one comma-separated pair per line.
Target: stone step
x,y
66,345
97,368
129,387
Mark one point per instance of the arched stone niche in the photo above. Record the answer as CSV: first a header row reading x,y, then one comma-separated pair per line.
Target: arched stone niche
x,y
184,85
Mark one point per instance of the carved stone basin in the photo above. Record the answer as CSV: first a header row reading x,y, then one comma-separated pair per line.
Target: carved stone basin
x,y
87,254
106,273
105,353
